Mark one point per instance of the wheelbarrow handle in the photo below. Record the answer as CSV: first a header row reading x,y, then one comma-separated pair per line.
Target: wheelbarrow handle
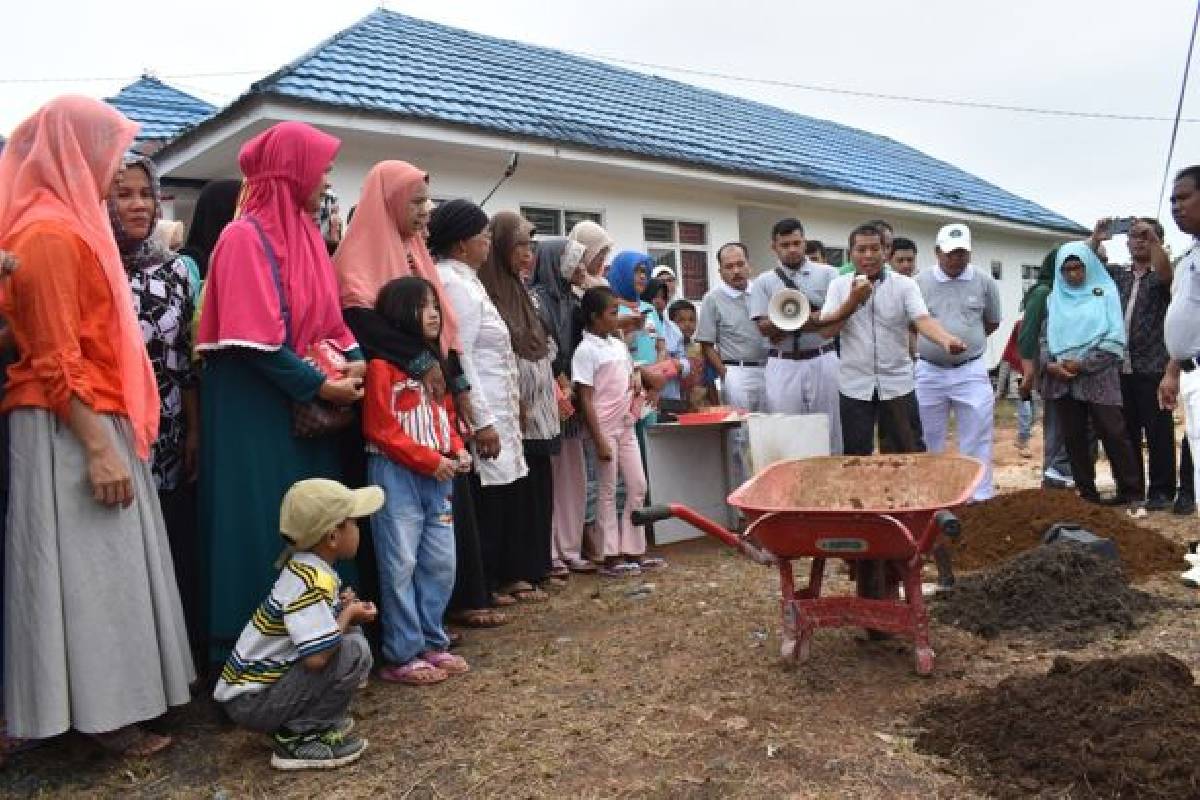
x,y
948,523
649,514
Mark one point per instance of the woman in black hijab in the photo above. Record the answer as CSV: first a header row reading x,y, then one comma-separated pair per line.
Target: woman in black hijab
x,y
214,210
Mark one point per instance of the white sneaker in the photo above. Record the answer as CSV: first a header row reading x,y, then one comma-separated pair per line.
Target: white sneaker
x,y
1192,558
1191,577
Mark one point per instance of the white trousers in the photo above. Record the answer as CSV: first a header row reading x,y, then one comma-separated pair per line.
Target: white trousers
x,y
742,387
1189,400
806,387
968,391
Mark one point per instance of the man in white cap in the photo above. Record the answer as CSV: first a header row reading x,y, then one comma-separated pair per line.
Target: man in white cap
x,y
966,301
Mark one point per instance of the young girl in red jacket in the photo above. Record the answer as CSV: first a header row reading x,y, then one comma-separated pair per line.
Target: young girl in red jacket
x,y
414,451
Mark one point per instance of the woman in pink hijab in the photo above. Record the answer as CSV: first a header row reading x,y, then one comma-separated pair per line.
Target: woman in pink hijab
x,y
254,366
95,638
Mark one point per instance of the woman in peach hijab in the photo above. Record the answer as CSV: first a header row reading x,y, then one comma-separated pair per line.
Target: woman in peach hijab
x,y
95,637
386,240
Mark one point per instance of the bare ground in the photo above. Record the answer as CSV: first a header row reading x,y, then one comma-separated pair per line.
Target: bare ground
x,y
678,692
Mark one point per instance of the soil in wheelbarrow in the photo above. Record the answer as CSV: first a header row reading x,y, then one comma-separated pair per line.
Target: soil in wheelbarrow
x,y
998,529
1063,593
1112,727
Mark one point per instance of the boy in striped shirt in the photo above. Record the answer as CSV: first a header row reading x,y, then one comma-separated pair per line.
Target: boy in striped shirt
x,y
299,660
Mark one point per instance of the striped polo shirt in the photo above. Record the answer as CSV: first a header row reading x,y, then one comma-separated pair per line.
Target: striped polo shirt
x,y
298,619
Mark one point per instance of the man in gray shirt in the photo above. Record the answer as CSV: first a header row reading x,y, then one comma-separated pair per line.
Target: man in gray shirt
x,y
876,374
732,345
731,342
966,301
802,367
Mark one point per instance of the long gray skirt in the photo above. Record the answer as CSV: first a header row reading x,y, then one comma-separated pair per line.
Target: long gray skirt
x,y
94,633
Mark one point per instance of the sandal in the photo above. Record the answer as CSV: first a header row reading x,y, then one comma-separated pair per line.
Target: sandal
x,y
651,564
503,599
581,565
531,596
131,742
623,569
515,587
417,672
480,618
447,662
559,570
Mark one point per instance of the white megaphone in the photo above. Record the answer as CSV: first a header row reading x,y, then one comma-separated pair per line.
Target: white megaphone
x,y
788,310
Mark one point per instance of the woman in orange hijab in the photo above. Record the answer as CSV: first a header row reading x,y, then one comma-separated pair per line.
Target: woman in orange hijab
x,y
95,636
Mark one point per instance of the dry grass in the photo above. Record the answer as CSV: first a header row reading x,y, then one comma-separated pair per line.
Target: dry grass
x,y
599,694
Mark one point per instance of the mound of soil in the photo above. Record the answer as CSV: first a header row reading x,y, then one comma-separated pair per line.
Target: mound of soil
x,y
998,529
1063,590
1114,727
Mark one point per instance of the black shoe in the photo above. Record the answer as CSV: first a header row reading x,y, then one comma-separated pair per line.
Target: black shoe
x,y
1185,505
323,750
1158,503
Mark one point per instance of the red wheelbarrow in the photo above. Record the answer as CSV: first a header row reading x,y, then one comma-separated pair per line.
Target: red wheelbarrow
x,y
882,514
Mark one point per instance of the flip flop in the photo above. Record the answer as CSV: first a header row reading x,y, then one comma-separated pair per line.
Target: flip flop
x,y
480,618
417,672
447,662
132,742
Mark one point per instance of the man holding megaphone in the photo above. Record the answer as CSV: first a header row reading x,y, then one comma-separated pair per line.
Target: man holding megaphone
x,y
801,375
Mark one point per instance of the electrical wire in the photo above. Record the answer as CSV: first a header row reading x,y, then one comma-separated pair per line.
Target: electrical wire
x,y
1187,65
810,87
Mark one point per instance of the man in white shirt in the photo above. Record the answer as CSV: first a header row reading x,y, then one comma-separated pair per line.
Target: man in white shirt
x,y
1181,329
876,374
966,301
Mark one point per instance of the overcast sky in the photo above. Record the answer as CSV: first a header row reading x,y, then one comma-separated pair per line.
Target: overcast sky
x,y
1082,55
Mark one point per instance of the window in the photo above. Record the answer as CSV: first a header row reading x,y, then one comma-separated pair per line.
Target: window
x,y
682,246
997,269
557,221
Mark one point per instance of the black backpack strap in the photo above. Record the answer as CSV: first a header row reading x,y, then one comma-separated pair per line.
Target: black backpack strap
x,y
284,311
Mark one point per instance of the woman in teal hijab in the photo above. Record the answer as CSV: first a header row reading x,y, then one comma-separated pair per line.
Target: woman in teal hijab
x,y
1085,337
1087,315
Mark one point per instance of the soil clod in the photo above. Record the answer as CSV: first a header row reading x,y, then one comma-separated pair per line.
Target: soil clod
x,y
998,529
1112,727
1066,592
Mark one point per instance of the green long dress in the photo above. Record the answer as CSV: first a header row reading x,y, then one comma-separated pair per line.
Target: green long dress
x,y
249,458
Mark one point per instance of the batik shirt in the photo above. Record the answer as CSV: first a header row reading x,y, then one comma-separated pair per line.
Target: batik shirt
x,y
162,300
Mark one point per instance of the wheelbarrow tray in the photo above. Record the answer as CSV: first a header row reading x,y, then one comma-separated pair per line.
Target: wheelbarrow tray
x,y
854,507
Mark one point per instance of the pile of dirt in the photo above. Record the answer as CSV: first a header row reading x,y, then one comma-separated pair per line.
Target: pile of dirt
x,y
1064,591
998,529
1114,727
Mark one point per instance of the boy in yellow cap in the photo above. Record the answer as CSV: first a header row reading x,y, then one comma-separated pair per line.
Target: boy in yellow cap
x,y
299,660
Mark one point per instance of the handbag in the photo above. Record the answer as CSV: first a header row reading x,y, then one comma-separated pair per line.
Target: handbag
x,y
317,417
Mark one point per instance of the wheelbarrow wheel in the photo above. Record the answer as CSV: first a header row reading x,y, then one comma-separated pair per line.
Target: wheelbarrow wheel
x,y
873,583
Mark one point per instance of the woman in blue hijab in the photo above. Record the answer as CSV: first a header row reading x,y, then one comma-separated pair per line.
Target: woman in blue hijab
x,y
628,275
1085,336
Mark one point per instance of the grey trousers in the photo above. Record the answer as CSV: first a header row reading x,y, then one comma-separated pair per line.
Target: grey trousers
x,y
303,701
1054,441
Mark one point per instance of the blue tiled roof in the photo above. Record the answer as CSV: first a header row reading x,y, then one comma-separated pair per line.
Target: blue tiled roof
x,y
163,111
393,63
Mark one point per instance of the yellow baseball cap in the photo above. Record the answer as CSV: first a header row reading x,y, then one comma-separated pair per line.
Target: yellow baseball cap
x,y
314,507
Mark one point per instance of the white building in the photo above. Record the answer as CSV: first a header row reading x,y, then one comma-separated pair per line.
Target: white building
x,y
667,167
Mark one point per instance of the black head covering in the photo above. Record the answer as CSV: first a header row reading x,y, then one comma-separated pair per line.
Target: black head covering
x,y
214,210
452,222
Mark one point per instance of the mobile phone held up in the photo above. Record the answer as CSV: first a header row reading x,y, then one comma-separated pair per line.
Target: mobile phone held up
x,y
1121,225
